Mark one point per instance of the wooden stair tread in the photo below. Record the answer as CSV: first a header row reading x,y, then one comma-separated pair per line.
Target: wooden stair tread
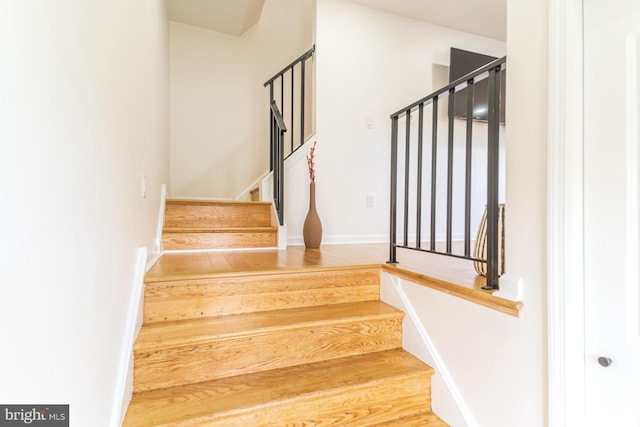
x,y
188,351
220,229
188,275
215,202
217,296
423,419
192,331
257,391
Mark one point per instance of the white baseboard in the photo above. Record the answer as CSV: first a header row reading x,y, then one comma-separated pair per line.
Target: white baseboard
x,y
361,239
133,324
342,240
151,261
205,199
161,210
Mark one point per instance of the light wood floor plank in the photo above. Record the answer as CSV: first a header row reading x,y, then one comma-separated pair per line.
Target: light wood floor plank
x,y
211,263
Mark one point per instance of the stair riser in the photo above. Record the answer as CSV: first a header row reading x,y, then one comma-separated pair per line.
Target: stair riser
x,y
200,241
223,296
161,368
217,215
377,403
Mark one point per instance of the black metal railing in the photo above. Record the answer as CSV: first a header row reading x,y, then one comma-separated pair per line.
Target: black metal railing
x,y
412,196
289,112
278,128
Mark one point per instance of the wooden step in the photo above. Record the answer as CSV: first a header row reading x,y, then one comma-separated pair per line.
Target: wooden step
x,y
362,390
219,238
422,419
216,214
223,295
188,351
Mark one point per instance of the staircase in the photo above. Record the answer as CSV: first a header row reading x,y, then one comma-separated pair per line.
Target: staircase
x,y
299,347
203,224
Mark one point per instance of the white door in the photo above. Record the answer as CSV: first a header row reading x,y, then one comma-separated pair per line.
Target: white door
x,y
612,220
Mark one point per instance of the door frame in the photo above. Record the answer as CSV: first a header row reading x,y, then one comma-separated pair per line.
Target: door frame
x,y
565,211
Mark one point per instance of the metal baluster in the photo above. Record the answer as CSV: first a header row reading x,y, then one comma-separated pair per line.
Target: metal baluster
x,y
419,186
281,175
450,171
271,152
407,154
434,167
493,158
302,99
467,182
292,124
393,209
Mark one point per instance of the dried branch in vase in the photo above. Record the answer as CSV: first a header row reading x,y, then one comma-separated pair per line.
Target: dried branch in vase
x,y
311,162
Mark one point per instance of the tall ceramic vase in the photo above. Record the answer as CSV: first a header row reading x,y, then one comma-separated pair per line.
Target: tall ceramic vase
x,y
312,229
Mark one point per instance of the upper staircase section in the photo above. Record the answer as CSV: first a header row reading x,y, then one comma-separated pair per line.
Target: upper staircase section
x,y
291,110
206,224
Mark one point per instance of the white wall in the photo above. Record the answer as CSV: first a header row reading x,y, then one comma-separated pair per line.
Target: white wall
x,y
498,363
84,111
368,64
219,108
372,64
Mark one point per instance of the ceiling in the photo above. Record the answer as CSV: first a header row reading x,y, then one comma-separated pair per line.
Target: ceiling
x,y
483,17
226,16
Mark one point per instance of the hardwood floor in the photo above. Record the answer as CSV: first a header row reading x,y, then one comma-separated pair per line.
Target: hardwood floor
x,y
173,265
